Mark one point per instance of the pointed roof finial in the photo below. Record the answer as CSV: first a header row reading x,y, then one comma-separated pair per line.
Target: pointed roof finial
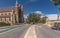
x,y
16,2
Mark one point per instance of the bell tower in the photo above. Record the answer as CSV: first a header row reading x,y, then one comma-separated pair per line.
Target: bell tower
x,y
17,3
16,12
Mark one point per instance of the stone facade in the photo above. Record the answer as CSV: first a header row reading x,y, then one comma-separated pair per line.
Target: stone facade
x,y
12,14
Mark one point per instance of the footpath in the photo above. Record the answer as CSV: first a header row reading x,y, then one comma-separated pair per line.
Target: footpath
x,y
4,29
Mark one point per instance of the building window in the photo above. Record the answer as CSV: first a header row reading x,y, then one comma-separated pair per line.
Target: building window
x,y
9,14
5,14
5,19
1,14
9,19
0,19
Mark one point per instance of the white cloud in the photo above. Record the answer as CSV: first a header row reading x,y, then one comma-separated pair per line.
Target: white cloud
x,y
52,16
25,16
42,16
39,12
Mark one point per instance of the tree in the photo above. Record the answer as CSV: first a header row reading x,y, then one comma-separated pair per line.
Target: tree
x,y
56,3
34,17
43,19
4,24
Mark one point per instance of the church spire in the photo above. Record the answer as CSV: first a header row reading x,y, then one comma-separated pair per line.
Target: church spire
x,y
17,3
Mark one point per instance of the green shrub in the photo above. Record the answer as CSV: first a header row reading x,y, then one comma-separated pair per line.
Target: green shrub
x,y
4,24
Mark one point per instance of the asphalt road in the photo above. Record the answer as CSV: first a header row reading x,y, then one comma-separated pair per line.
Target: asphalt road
x,y
16,33
43,31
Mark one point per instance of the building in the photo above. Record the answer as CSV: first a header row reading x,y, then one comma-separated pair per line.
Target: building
x,y
25,19
12,14
52,22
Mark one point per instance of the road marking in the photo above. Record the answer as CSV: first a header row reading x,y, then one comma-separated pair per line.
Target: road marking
x,y
31,33
40,26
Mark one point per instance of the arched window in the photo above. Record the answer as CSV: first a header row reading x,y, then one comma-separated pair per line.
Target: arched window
x,y
5,19
9,19
9,13
1,14
5,14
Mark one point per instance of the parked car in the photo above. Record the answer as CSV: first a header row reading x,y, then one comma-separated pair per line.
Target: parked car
x,y
56,26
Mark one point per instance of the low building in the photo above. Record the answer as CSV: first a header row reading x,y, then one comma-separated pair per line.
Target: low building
x,y
52,22
25,19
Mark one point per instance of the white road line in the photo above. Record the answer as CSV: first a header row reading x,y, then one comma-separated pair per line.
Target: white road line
x,y
31,33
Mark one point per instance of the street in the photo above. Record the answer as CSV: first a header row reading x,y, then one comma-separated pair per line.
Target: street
x,y
29,18
32,31
43,31
17,33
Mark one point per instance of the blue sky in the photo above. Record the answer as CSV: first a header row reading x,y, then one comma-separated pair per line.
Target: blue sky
x,y
45,6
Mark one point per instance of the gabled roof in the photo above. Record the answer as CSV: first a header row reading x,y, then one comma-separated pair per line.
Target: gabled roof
x,y
7,9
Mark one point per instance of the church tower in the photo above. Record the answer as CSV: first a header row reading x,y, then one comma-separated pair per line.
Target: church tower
x,y
16,12
17,4
21,17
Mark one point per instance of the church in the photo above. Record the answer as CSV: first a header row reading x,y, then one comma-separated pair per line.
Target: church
x,y
12,14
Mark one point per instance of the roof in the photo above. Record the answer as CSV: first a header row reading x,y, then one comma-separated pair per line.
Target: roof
x,y
7,9
7,16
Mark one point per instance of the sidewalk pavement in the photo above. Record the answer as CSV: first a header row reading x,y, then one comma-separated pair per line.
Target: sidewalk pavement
x,y
7,28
